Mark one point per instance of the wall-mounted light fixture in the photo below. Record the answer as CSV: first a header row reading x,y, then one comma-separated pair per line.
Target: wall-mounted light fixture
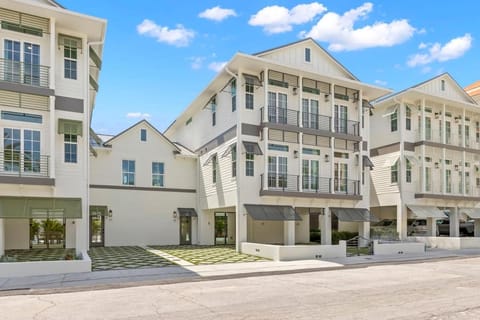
x,y
294,90
295,154
327,97
457,119
436,165
174,215
437,115
110,213
456,167
327,158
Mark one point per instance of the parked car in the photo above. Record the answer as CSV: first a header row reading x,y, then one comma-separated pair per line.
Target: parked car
x,y
387,228
467,228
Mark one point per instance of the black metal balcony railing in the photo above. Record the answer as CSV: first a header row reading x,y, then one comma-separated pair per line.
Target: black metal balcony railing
x,y
280,116
24,73
347,127
310,184
316,121
29,164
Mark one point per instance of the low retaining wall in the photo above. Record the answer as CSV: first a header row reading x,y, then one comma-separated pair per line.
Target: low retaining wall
x,y
300,252
450,242
390,248
37,268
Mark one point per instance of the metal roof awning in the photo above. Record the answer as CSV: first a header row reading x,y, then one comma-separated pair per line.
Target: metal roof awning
x,y
424,212
187,212
391,159
367,162
209,159
353,214
390,110
472,213
40,208
229,149
252,147
412,159
272,213
251,79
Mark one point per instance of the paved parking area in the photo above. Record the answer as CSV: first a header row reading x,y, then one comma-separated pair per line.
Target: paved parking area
x,y
40,254
208,254
131,257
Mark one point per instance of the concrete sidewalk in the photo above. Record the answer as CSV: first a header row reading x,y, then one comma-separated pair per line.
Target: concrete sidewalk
x,y
135,277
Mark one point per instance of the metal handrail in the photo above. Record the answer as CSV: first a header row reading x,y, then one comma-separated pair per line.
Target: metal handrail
x,y
26,164
316,121
24,73
280,116
346,186
347,127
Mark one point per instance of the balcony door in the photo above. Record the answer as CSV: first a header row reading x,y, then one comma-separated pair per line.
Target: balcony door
x,y
341,177
31,61
310,113
277,172
341,119
277,107
12,54
21,150
310,175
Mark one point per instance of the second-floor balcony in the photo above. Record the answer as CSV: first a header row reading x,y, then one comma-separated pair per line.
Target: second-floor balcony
x,y
308,186
451,138
24,73
454,188
28,164
285,116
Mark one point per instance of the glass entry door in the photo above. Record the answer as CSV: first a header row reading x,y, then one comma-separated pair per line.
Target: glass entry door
x,y
185,230
97,230
221,228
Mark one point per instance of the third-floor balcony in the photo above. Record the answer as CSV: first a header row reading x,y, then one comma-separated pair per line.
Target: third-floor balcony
x,y
452,138
24,73
290,117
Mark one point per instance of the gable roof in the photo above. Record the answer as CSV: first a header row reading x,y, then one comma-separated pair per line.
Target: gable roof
x,y
315,43
418,85
109,141
473,89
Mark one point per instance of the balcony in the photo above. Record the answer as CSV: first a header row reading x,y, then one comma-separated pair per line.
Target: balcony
x,y
317,121
347,127
281,116
24,73
312,187
453,191
23,165
452,139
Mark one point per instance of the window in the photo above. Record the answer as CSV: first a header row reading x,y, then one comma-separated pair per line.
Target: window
x,y
310,176
448,182
214,168
394,121
477,131
13,70
448,131
233,89
143,134
70,58
428,128
442,85
249,164
341,177
70,148
249,90
277,107
234,160
277,172
158,173
315,152
128,172
21,145
307,54
408,171
213,106
18,116
342,155
394,173
340,119
188,121
467,136
428,180
408,118
277,147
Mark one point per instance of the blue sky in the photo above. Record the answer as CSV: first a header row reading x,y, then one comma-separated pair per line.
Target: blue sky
x,y
160,54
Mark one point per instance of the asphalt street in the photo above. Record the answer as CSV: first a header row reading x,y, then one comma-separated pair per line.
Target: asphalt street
x,y
447,289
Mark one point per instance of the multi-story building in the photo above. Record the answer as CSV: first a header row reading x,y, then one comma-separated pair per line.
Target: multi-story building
x,y
50,59
473,91
426,154
139,174
282,136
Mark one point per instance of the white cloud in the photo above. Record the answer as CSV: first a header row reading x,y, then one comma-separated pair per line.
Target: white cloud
x,y
217,14
135,115
217,66
453,49
277,19
381,82
180,36
422,45
339,31
197,62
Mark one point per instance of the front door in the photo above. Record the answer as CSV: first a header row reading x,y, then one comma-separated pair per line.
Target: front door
x,y
221,228
97,230
185,230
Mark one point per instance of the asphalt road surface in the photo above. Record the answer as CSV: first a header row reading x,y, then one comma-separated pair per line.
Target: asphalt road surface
x,y
448,289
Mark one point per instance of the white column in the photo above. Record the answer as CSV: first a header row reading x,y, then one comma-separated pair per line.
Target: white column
x,y
300,162
360,144
332,140
2,237
432,227
289,233
265,130
241,227
454,222
300,103
477,228
326,227
422,148
364,231
462,167
402,220
53,134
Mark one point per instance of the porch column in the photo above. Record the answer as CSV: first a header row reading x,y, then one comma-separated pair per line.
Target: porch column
x,y
476,232
364,232
289,233
454,223
2,238
402,220
432,227
326,227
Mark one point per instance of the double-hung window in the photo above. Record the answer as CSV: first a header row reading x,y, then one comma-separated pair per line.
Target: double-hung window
x,y
408,118
233,89
158,174
214,168
394,173
249,164
408,171
21,150
394,121
233,153
249,92
70,148
128,172
143,135
70,58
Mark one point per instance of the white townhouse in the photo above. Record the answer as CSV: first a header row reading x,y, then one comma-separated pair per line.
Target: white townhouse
x,y
50,59
142,189
473,91
426,156
283,144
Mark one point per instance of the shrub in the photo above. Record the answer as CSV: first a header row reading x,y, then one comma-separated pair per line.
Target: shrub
x,y
315,235
342,235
